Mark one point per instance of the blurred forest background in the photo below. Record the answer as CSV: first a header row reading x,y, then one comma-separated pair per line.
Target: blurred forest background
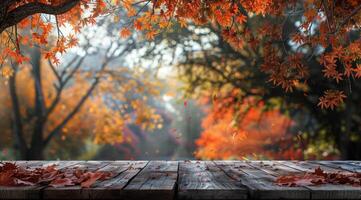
x,y
187,94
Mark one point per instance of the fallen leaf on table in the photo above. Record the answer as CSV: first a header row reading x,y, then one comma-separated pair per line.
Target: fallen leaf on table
x,y
14,175
318,177
62,182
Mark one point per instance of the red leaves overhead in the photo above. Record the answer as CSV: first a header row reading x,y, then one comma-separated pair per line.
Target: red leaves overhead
x,y
318,177
14,175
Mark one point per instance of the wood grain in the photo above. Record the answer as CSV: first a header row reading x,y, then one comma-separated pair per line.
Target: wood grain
x,y
259,183
205,180
123,172
156,181
73,192
325,191
168,180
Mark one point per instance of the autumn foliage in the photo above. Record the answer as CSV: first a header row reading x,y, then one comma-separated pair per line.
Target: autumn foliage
x,y
323,31
252,134
325,25
96,120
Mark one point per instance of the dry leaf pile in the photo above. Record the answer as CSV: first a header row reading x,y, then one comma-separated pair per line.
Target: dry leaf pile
x,y
318,177
14,175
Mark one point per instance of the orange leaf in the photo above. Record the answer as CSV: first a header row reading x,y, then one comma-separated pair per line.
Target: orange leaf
x,y
125,33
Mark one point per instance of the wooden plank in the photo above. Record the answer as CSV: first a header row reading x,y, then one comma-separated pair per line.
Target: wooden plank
x,y
325,191
196,180
156,181
123,171
73,192
260,184
29,192
205,180
21,192
341,165
111,187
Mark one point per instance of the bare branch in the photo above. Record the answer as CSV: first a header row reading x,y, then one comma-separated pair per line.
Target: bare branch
x,y
81,102
62,84
52,67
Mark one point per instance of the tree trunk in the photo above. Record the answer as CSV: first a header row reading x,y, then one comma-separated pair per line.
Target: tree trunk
x,y
36,153
17,127
36,148
346,147
350,149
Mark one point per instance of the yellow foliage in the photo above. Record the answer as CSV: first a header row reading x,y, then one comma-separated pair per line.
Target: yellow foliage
x,y
7,71
97,119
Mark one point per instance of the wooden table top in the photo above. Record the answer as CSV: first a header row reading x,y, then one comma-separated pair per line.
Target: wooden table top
x,y
191,180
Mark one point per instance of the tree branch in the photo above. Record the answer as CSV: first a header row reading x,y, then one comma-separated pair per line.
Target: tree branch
x,y
52,67
354,12
57,129
18,14
39,103
96,81
62,84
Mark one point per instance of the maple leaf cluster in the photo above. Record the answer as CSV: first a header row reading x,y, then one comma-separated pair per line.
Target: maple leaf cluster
x,y
324,25
14,175
318,177
285,71
331,99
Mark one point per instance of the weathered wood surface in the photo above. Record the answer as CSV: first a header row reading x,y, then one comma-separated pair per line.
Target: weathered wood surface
x,y
259,182
327,191
205,180
31,192
191,180
156,181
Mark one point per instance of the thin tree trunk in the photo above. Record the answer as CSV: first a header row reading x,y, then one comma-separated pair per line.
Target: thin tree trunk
x,y
36,148
20,142
344,119
350,149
